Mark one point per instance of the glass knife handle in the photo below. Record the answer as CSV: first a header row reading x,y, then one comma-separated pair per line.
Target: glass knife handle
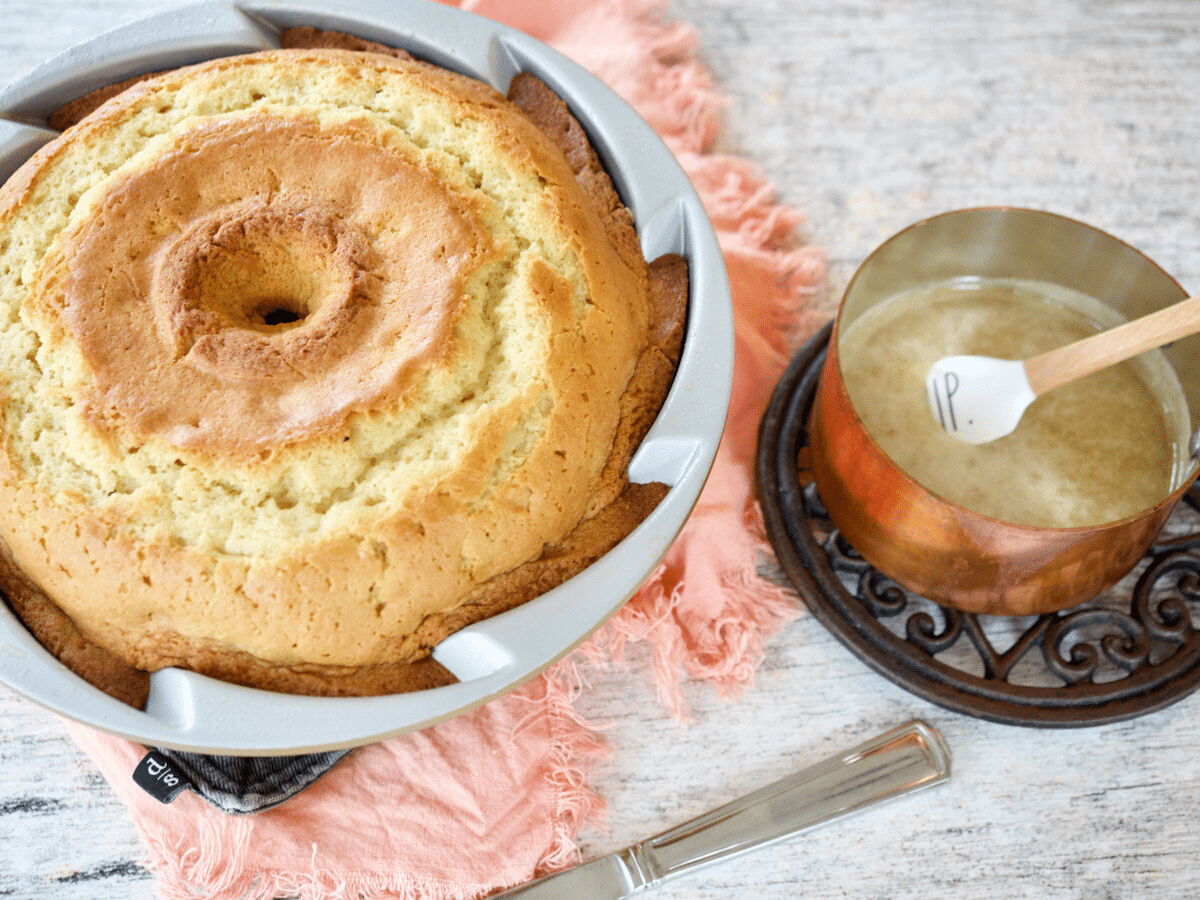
x,y
906,759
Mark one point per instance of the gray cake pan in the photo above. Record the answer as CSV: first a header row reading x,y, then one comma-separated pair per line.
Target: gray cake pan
x,y
191,712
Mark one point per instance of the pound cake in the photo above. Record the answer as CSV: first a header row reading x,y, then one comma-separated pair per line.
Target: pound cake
x,y
311,357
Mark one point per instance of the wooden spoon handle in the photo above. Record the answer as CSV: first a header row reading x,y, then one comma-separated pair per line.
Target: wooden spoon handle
x,y
1057,367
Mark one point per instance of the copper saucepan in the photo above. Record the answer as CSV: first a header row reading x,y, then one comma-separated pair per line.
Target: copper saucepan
x,y
926,543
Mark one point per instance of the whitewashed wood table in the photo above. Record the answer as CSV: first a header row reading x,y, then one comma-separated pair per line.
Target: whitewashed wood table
x,y
868,114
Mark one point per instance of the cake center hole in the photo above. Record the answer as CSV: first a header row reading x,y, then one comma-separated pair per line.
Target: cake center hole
x,y
253,274
281,316
262,282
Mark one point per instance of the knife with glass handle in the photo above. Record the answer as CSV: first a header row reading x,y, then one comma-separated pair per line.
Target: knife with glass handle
x,y
906,759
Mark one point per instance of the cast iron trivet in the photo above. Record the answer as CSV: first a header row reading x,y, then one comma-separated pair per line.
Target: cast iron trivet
x,y
1132,650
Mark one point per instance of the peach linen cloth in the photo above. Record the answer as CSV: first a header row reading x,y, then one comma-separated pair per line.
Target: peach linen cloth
x,y
496,796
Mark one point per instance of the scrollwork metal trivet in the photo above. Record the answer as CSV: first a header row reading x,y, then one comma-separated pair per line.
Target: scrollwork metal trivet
x,y
1132,650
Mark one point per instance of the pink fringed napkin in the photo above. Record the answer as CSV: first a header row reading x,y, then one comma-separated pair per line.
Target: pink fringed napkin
x,y
510,780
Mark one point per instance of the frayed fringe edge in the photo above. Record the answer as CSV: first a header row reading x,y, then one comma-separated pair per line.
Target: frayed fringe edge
x,y
726,655
575,747
177,883
215,869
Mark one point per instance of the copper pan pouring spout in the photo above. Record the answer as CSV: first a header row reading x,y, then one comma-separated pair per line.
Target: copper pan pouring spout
x,y
928,544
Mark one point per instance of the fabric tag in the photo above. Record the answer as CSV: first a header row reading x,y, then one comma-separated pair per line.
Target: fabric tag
x,y
159,778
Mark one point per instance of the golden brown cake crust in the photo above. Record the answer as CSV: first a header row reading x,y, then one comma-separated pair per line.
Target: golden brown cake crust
x,y
59,635
77,110
192,287
233,430
299,38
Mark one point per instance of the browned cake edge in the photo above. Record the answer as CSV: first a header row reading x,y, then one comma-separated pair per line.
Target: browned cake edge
x,y
56,632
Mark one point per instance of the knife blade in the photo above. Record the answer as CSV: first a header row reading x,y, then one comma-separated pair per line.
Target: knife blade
x,y
902,761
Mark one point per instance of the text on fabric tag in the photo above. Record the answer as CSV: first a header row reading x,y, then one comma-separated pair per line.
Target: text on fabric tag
x,y
159,778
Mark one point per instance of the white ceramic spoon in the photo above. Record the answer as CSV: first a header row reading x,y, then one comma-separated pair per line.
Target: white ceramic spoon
x,y
979,399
